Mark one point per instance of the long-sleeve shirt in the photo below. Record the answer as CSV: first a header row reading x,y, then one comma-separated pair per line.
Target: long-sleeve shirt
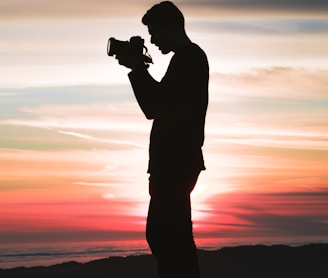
x,y
177,105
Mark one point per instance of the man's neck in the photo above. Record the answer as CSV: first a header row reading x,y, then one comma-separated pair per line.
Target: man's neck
x,y
181,41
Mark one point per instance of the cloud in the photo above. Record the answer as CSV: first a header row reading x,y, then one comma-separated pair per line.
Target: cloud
x,y
272,215
68,8
116,125
69,235
269,4
261,5
93,8
84,116
276,82
92,138
287,102
271,26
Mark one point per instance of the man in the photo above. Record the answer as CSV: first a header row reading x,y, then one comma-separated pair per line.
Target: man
x,y
177,105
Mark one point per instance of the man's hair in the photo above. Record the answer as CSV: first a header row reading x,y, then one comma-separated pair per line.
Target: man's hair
x,y
164,13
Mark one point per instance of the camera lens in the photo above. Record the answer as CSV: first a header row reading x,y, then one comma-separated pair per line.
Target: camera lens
x,y
108,47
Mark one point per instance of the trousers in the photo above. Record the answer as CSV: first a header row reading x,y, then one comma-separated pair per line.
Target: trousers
x,y
169,231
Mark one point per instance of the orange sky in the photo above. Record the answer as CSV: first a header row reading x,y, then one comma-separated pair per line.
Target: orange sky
x,y
74,143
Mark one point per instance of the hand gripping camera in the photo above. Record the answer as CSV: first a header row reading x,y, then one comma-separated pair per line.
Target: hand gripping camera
x,y
134,48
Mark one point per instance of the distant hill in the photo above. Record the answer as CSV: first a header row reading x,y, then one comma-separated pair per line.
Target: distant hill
x,y
277,261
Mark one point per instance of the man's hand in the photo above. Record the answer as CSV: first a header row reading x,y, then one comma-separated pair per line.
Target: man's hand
x,y
126,60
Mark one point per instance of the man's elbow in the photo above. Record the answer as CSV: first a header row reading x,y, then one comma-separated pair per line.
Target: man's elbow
x,y
148,113
149,116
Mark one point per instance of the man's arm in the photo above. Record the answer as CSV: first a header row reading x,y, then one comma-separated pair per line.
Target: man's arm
x,y
145,89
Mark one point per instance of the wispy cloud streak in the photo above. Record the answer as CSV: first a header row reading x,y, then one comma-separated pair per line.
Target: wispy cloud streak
x,y
92,138
297,215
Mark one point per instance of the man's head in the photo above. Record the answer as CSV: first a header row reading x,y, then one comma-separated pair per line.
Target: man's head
x,y
165,24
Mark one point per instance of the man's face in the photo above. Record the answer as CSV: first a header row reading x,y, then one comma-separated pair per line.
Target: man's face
x,y
160,36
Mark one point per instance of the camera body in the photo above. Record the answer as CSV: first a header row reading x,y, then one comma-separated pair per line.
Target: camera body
x,y
134,48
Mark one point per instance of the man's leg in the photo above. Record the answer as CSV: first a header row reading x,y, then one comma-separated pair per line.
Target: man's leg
x,y
169,225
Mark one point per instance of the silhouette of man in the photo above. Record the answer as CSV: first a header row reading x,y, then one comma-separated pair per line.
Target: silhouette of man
x,y
177,105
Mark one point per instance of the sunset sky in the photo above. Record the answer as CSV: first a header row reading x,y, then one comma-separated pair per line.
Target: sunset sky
x,y
73,141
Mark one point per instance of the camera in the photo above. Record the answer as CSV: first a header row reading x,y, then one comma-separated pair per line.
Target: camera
x,y
134,47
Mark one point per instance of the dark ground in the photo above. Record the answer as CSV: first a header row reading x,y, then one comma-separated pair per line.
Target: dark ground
x,y
277,261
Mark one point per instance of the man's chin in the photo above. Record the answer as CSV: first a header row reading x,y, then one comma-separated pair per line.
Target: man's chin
x,y
165,51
